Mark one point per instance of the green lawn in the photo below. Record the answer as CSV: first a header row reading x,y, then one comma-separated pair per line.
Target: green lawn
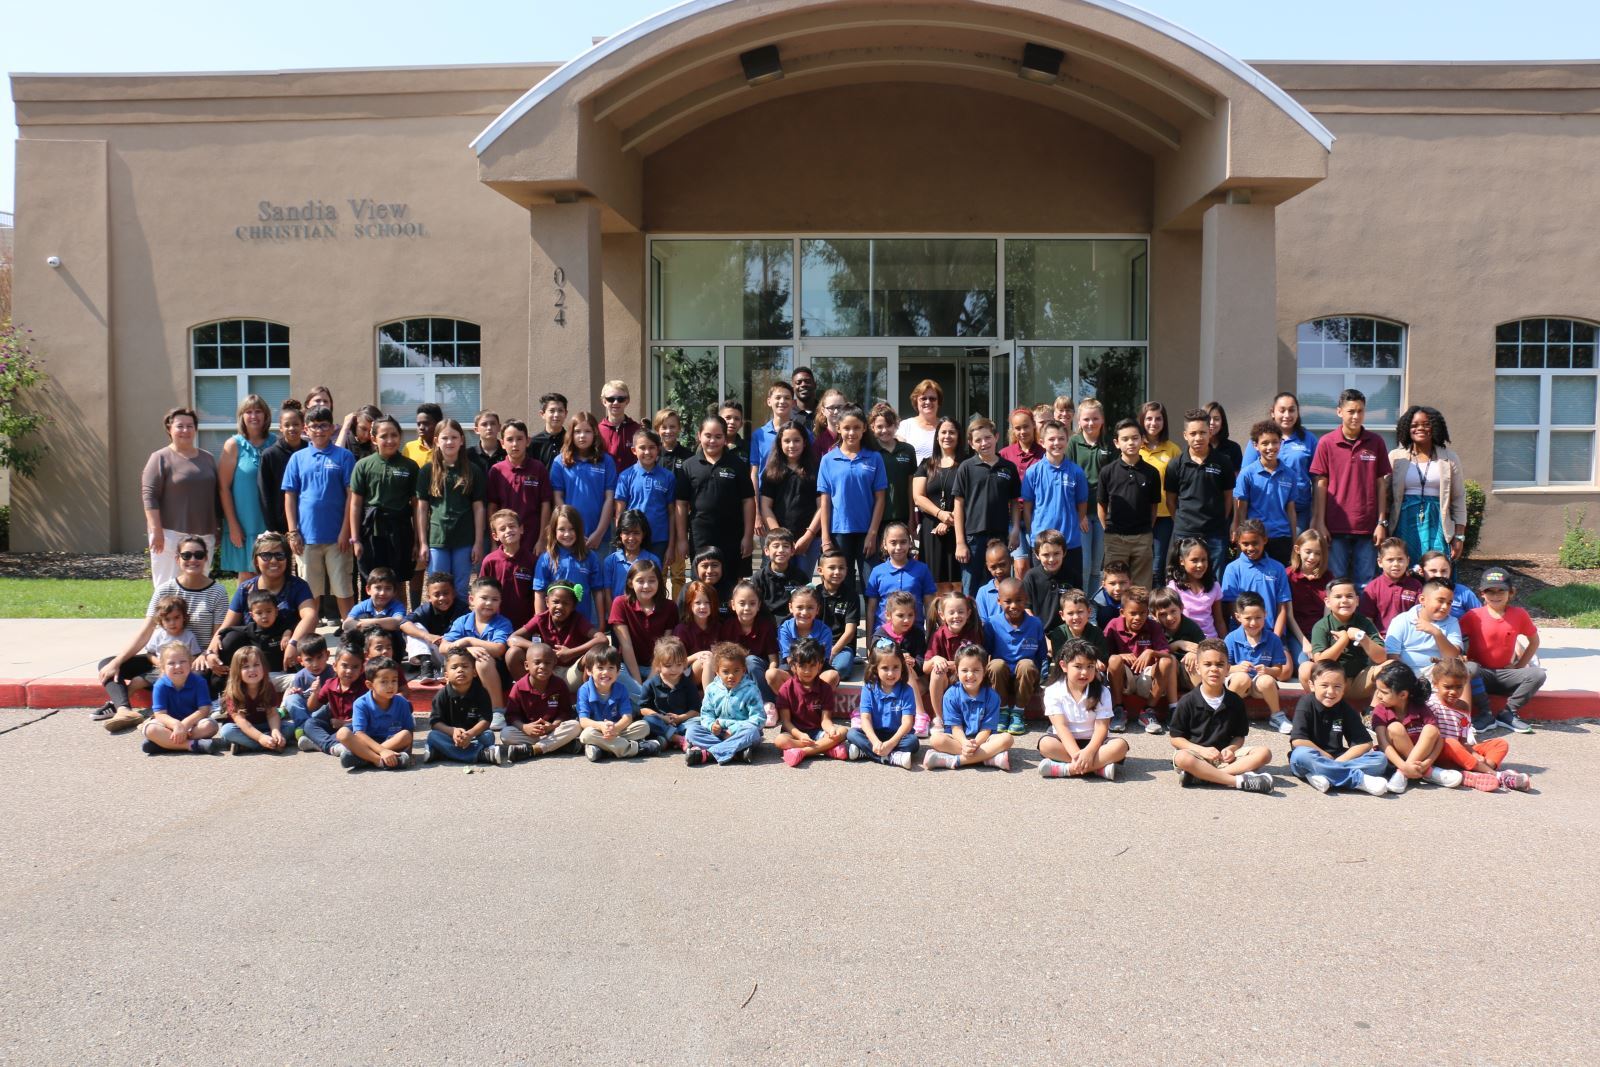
x,y
60,598
1578,603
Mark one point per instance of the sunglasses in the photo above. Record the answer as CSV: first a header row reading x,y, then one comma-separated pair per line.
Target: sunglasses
x,y
616,400
279,556
191,555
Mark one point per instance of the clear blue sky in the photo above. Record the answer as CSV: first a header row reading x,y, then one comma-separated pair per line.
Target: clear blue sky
x,y
100,36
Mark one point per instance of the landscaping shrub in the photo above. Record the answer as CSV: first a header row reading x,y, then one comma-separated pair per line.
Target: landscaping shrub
x,y
1580,547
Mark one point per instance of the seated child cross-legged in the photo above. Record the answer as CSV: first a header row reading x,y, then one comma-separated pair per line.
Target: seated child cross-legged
x,y
1407,730
803,622
1141,663
970,719
1479,761
805,707
1257,657
129,671
180,707
379,734
1209,727
332,705
251,701
540,717
958,627
672,695
605,711
886,731
458,728
315,671
1079,709
731,716
485,635
900,634
1329,747
424,628
1016,645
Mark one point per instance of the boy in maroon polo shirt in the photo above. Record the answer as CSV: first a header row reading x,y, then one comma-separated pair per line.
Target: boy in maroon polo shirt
x,y
333,705
540,718
618,427
561,627
520,483
1141,661
511,564
1350,505
1395,591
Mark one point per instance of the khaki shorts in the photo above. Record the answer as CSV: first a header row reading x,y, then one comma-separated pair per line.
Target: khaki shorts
x,y
326,569
1141,684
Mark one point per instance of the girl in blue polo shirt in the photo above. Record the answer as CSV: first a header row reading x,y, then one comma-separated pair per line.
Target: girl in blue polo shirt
x,y
569,559
852,485
885,731
1299,445
971,720
585,477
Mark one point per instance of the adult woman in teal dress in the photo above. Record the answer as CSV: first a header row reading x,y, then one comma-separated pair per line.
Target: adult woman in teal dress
x,y
237,472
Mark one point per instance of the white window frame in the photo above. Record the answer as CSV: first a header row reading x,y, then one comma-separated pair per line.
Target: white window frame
x,y
1348,376
241,376
1544,428
430,373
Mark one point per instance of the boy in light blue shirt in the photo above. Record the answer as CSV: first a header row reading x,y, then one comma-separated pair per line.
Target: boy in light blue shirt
x,y
486,634
1257,660
1254,571
1055,494
1426,632
315,485
732,714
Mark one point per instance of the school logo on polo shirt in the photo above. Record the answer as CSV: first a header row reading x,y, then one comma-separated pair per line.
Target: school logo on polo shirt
x,y
724,472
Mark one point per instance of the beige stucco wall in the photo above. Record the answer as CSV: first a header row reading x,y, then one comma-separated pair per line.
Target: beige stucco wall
x,y
1451,221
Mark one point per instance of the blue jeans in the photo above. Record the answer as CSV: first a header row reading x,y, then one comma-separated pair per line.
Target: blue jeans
x,y
294,710
439,744
319,727
806,561
235,733
976,573
1094,549
756,667
663,731
1160,543
844,662
1353,556
1305,762
723,749
859,738
456,562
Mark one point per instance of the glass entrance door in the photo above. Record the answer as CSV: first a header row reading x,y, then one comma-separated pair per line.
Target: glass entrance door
x,y
976,379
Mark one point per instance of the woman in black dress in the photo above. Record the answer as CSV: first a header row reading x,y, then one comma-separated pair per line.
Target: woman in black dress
x,y
933,495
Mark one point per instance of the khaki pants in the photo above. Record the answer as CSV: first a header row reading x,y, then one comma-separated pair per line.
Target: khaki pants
x,y
1016,685
1136,550
564,734
326,569
622,746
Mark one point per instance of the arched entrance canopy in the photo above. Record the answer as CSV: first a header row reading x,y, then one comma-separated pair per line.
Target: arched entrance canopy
x,y
1210,123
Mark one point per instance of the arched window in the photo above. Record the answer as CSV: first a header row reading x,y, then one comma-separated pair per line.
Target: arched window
x,y
230,359
1544,402
1350,352
429,360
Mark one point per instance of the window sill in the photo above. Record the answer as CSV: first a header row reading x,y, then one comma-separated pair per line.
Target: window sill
x,y
1545,490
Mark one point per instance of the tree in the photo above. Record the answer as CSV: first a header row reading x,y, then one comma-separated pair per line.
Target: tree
x,y
18,374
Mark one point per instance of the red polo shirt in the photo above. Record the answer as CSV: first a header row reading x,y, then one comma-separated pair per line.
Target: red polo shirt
x,y
762,640
806,706
525,490
644,628
515,575
695,639
617,441
576,631
526,704
341,702
1354,470
1382,600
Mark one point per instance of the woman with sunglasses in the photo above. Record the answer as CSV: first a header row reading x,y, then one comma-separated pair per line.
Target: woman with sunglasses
x,y
294,598
207,600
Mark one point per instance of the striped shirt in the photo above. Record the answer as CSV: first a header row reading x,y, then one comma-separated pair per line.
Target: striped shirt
x,y
206,607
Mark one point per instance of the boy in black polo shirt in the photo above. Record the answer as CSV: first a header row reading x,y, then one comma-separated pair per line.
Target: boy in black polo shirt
x,y
988,507
275,459
1199,490
1129,493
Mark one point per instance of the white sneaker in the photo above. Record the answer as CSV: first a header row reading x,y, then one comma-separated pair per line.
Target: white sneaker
x,y
1280,722
1398,782
900,759
1445,777
1108,772
1319,782
1372,785
1000,760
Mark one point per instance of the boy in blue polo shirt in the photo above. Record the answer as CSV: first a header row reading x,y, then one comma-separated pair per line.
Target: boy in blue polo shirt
x,y
1426,632
1016,644
997,560
970,717
485,634
379,734
1257,661
1255,572
899,573
648,487
1055,496
605,711
382,610
316,484
1267,490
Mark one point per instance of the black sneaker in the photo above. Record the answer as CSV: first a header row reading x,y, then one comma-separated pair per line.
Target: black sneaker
x,y
694,757
216,746
495,754
150,748
103,712
748,755
1256,783
651,747
350,761
1187,780
518,753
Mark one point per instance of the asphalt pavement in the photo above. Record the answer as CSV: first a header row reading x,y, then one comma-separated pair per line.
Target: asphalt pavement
x,y
261,909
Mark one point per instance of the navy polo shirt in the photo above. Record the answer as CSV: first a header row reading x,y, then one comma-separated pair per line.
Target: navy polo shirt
x,y
851,484
1014,644
1055,493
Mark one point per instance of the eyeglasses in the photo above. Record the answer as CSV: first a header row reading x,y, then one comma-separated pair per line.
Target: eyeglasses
x,y
191,555
616,400
278,556
833,407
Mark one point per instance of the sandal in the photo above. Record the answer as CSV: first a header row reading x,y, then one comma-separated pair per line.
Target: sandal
x,y
103,712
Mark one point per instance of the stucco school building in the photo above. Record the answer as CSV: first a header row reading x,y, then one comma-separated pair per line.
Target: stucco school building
x,y
1016,198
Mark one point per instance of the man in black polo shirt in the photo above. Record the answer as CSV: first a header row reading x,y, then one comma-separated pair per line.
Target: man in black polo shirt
x,y
716,503
1130,492
1200,492
805,396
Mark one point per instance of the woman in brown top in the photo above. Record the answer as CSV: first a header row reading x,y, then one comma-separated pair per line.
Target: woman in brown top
x,y
179,488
